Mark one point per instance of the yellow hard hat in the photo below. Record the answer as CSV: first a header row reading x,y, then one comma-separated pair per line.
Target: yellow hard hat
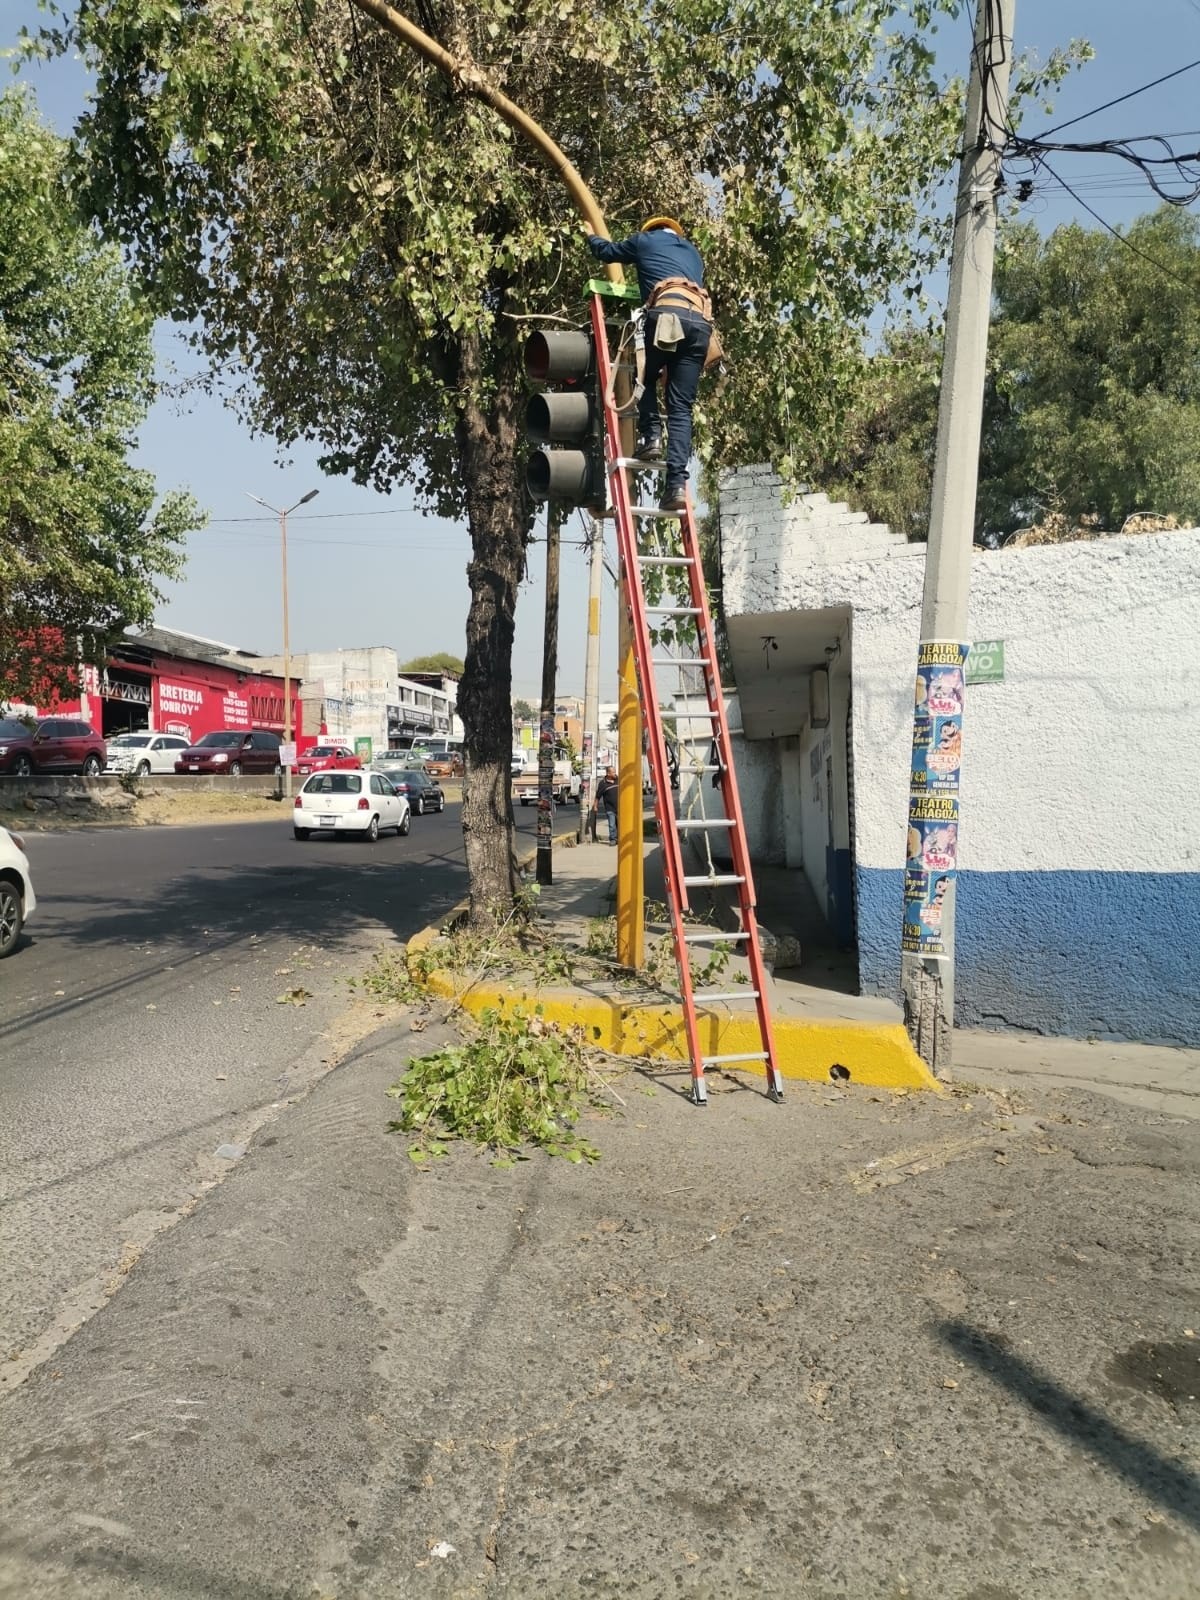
x,y
663,222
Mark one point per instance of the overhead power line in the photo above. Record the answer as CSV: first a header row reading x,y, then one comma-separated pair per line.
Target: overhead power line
x,y
1120,100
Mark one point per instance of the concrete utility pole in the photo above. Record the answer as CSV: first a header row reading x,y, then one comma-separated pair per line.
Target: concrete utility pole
x,y
283,515
927,945
591,676
547,738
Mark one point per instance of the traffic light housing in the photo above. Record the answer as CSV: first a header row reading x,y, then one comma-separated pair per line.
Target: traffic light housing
x,y
564,420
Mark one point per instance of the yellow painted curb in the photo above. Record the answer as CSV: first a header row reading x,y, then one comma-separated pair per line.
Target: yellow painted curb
x,y
878,1055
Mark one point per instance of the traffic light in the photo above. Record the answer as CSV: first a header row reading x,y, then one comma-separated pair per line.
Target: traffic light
x,y
564,420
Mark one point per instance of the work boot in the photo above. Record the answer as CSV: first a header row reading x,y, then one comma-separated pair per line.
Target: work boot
x,y
674,497
649,446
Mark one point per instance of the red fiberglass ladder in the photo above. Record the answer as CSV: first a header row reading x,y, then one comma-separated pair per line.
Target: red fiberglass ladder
x,y
660,553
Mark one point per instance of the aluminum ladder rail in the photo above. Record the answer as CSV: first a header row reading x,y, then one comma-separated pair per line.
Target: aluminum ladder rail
x,y
650,539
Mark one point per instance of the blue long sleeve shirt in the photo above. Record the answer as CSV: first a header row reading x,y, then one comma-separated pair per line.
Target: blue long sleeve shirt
x,y
659,254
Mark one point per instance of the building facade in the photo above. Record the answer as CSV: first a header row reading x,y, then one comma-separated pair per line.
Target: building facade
x,y
357,694
1078,895
171,682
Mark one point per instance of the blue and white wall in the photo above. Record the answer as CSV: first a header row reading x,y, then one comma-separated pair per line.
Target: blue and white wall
x,y
1078,906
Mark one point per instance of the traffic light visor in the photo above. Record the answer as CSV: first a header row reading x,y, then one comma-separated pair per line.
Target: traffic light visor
x,y
558,357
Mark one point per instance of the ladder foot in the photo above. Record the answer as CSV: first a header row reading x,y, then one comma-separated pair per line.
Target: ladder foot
x,y
775,1094
698,1096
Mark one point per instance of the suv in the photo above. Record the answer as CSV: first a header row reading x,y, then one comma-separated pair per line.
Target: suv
x,y
144,753
57,744
232,751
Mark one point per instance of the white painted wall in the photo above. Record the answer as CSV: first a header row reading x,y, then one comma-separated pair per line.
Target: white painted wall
x,y
1079,895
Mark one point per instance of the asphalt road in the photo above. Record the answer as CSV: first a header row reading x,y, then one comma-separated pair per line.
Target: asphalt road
x,y
141,1027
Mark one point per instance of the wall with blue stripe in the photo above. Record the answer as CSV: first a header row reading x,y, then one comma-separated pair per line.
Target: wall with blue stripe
x,y
1108,955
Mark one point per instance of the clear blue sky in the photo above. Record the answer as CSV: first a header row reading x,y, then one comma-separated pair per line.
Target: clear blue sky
x,y
367,569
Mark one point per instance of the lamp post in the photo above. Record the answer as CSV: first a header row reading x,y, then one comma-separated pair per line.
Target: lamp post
x,y
283,513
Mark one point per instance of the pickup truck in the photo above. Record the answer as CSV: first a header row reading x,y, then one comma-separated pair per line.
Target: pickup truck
x,y
566,784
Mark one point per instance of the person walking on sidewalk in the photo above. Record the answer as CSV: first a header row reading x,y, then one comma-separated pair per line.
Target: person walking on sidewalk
x,y
606,800
678,327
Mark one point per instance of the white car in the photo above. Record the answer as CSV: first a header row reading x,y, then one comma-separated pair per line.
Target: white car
x,y
349,802
17,899
144,753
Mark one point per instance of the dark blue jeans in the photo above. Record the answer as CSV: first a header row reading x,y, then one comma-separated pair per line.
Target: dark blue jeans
x,y
684,365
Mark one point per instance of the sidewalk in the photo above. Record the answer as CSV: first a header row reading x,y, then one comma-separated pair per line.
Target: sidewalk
x,y
927,1347
820,1020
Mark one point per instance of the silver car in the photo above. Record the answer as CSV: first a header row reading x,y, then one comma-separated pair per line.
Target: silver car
x,y
144,753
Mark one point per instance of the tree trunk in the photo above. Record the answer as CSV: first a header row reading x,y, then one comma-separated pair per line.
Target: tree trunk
x,y
497,518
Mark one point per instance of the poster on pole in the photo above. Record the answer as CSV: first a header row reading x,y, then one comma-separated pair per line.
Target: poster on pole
x,y
929,871
932,855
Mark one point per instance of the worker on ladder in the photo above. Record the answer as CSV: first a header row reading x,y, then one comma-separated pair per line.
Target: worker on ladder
x,y
678,327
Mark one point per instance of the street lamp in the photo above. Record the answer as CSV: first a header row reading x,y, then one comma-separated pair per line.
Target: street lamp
x,y
283,513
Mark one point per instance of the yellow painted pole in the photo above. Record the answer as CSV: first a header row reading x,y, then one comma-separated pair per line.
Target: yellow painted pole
x,y
631,891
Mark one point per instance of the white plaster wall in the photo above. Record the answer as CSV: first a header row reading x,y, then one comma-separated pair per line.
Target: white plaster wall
x,y
1087,756
1079,907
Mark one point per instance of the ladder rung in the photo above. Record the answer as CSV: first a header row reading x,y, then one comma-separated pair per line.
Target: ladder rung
x,y
731,994
712,938
749,1055
672,611
674,661
652,511
726,877
704,822
695,716
637,464
666,561
686,766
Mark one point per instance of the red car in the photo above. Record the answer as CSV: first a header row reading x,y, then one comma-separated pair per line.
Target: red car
x,y
327,758
55,744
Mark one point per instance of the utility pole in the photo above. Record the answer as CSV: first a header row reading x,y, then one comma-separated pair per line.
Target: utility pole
x,y
547,740
927,943
283,514
591,676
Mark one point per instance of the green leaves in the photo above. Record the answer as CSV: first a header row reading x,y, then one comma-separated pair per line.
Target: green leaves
x,y
82,541
518,1081
1093,402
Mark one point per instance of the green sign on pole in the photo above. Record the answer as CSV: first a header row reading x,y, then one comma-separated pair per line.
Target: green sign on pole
x,y
363,749
985,664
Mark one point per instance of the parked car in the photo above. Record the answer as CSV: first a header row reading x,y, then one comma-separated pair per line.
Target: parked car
x,y
232,751
450,766
327,758
422,792
17,899
55,744
349,802
144,753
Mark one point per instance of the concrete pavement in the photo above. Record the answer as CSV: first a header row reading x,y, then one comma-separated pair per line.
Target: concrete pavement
x,y
856,1345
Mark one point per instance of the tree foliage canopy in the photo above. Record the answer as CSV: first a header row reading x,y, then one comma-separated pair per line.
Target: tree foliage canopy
x,y
81,545
440,661
1092,405
343,218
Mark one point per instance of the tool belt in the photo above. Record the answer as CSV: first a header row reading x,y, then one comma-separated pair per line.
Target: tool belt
x,y
682,292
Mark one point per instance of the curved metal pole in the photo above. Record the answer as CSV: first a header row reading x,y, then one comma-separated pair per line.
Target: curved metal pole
x,y
468,78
